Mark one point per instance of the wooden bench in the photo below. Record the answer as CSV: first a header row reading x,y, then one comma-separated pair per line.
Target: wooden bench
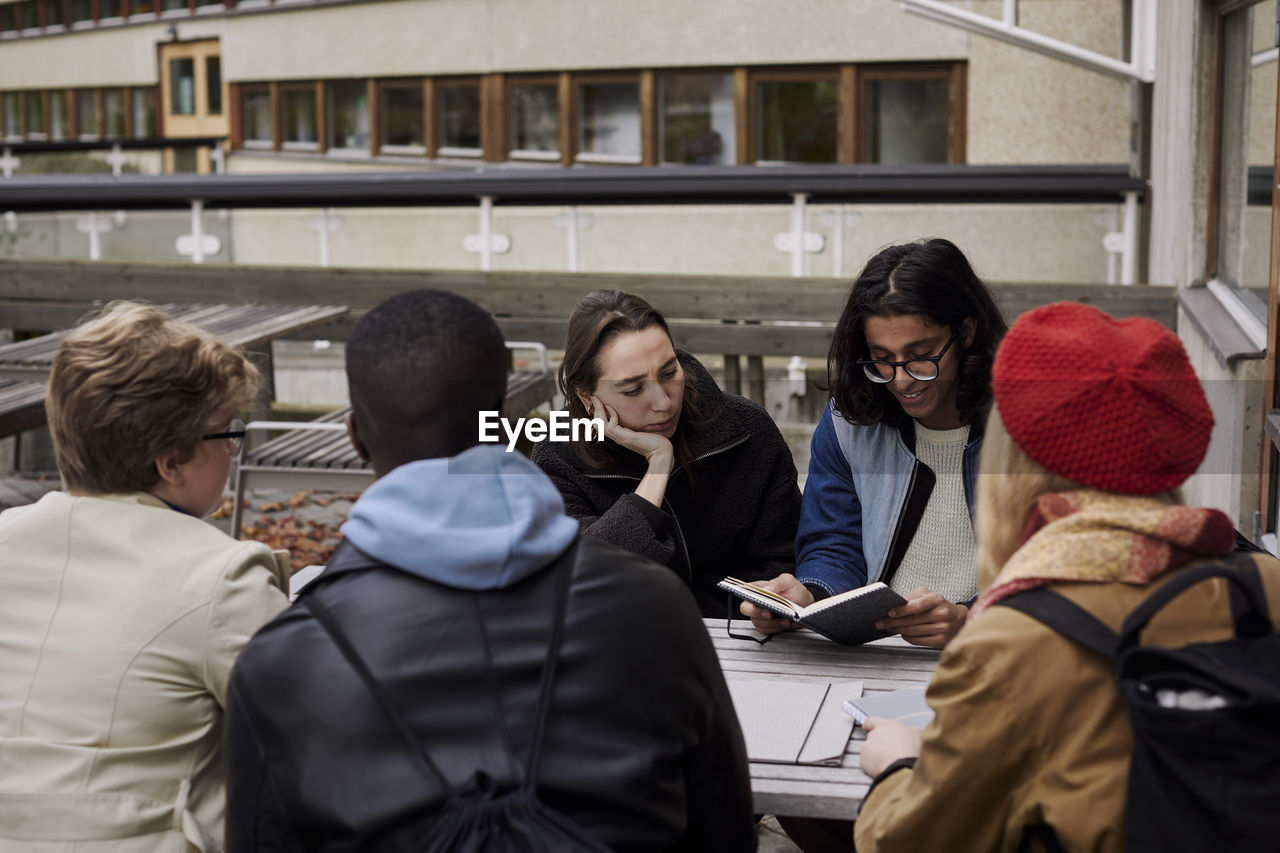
x,y
738,316
21,405
318,454
25,365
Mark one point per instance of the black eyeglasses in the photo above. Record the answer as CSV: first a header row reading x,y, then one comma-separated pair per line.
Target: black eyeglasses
x,y
924,368
234,437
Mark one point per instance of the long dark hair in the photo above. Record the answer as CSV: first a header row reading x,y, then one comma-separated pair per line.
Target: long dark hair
x,y
931,278
597,319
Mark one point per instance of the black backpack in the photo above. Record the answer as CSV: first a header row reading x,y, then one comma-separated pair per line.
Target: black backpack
x,y
1204,779
478,818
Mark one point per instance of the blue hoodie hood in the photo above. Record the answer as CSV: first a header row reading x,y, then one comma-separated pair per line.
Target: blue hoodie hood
x,y
484,519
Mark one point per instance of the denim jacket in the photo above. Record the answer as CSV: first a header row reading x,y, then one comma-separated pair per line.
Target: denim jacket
x,y
863,500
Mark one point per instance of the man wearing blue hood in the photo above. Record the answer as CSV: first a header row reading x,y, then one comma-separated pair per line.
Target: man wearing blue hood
x,y
434,620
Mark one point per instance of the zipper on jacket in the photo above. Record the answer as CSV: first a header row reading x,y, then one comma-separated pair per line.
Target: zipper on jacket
x,y
688,561
675,519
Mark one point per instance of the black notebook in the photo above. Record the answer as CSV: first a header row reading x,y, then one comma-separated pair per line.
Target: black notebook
x,y
848,618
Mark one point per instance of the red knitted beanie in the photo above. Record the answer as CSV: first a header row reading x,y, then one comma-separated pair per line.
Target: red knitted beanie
x,y
1108,403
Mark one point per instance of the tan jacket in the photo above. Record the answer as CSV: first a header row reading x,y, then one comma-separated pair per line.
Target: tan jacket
x,y
120,620
1030,728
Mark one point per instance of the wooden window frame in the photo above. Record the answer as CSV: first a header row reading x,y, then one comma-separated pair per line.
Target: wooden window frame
x,y
307,88
377,145
736,75
952,72
324,92
438,148
645,103
799,74
240,93
102,109
80,133
508,126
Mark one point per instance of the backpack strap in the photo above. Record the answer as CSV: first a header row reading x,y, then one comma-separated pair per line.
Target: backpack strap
x,y
565,565
1249,610
1066,617
356,559
416,753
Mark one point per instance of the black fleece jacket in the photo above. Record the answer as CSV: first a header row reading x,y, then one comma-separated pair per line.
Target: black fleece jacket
x,y
735,514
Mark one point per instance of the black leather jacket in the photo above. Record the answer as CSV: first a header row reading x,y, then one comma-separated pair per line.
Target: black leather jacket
x,y
642,747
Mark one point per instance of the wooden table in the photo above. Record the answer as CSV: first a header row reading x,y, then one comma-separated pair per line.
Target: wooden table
x,y
240,325
807,790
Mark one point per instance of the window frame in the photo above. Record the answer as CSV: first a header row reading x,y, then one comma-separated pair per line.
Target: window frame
x,y
509,151
278,124
439,149
377,133
644,106
950,72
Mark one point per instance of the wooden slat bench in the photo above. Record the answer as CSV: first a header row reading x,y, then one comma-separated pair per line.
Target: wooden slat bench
x,y
318,454
21,405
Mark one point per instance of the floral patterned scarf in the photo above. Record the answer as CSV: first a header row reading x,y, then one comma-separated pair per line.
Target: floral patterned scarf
x,y
1097,537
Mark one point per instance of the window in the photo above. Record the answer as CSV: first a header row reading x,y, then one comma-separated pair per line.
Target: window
x,y
458,118
906,117
185,160
35,115
213,84
53,13
10,115
113,113
182,86
174,6
535,120
400,109
609,122
697,116
8,18
255,116
87,114
28,15
142,7
349,115
81,11
108,9
297,117
59,115
796,120
144,113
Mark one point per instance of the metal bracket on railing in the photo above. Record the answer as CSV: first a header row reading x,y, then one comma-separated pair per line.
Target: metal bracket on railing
x,y
541,349
8,162
798,241
486,244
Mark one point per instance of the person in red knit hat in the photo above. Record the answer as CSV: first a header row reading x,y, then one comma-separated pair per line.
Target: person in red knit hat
x,y
1096,424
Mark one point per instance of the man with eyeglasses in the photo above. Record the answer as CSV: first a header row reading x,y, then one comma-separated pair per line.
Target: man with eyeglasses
x,y
893,461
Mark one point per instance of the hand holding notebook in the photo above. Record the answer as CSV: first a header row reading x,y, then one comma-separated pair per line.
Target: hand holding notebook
x,y
848,618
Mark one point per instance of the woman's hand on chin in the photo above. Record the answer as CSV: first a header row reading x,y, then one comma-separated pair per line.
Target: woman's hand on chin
x,y
653,446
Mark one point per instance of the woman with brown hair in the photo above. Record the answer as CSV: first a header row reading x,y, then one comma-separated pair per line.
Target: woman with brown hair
x,y
689,476
121,610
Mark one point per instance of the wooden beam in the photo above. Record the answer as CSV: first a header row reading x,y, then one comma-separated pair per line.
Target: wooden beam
x,y
528,294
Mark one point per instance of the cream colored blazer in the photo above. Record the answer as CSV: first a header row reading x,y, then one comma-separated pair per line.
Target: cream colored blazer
x,y
120,620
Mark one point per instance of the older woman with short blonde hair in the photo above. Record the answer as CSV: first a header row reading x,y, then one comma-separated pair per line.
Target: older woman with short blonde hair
x,y
121,610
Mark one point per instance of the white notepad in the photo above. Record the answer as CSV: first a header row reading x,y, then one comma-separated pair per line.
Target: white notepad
x,y
787,721
906,706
